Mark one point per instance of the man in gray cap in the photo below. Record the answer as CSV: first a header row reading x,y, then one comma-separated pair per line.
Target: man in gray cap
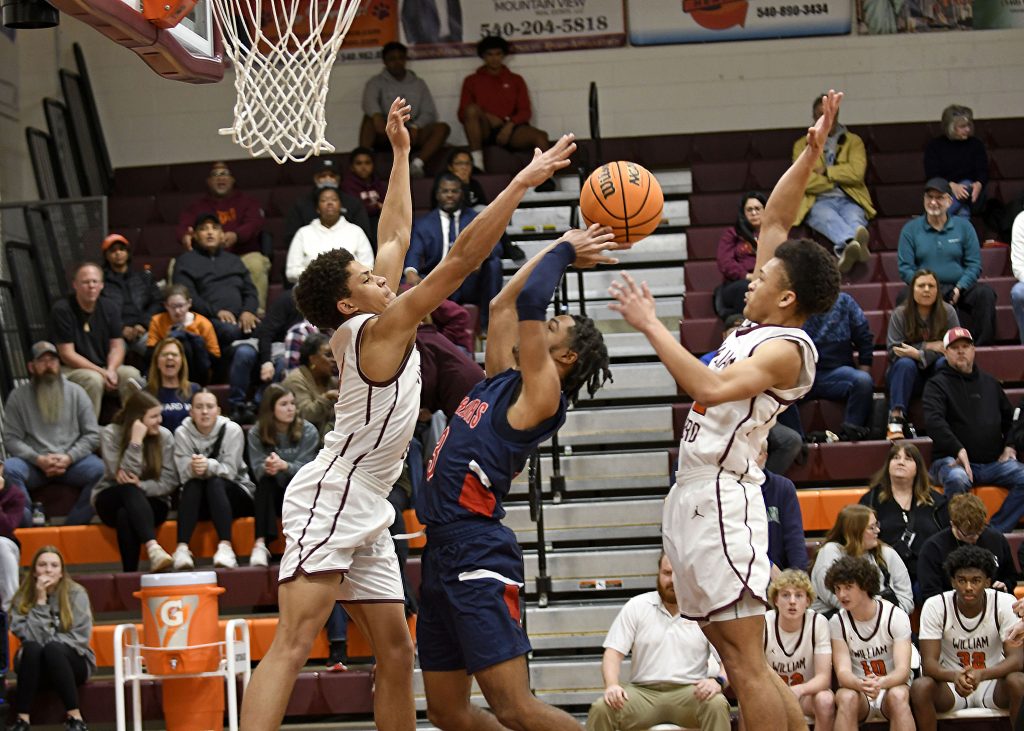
x,y
51,434
948,245
303,210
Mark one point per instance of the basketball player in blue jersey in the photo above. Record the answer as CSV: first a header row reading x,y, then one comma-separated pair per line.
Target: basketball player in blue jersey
x,y
336,513
469,622
714,526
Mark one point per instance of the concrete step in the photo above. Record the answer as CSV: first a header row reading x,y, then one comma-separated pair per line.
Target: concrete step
x,y
604,472
580,626
638,380
668,309
589,520
632,569
628,345
663,248
633,425
663,282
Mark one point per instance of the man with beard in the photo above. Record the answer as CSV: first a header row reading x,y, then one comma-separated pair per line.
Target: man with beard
x,y
51,434
675,676
434,234
89,335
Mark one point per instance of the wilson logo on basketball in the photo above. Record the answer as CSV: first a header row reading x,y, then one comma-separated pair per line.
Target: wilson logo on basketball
x,y
624,196
604,179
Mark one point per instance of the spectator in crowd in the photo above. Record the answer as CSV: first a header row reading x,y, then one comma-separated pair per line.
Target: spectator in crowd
x,y
12,510
241,220
967,527
215,480
737,250
909,511
337,639
363,184
315,382
969,419
133,292
460,164
328,231
51,435
798,648
426,130
197,334
303,210
966,661
494,107
675,678
836,334
168,382
786,546
855,534
280,442
52,618
434,234
837,203
948,246
959,157
134,495
1017,264
293,340
219,285
88,333
871,650
914,344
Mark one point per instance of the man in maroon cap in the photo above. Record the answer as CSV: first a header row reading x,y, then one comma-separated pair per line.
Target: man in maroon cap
x,y
133,291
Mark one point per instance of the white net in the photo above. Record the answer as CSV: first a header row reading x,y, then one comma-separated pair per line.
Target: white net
x,y
282,52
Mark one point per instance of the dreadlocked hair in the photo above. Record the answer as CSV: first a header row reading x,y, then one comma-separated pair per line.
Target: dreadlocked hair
x,y
591,367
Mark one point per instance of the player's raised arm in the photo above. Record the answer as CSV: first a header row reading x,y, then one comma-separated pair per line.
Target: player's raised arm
x,y
395,226
784,202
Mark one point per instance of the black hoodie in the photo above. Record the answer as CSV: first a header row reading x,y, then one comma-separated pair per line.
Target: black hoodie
x,y
969,412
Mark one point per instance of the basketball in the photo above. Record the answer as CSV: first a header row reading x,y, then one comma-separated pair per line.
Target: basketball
x,y
626,197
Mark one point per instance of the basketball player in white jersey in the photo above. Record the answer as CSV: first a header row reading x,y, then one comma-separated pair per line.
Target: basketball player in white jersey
x,y
798,648
965,658
870,649
336,514
714,527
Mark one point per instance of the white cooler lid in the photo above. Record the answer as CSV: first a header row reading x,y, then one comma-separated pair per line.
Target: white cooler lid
x,y
184,578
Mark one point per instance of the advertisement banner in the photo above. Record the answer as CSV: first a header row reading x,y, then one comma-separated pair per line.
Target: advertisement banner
x,y
440,28
655,22
877,17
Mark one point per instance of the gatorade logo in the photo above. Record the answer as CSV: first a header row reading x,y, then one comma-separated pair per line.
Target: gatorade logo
x,y
171,614
173,617
716,14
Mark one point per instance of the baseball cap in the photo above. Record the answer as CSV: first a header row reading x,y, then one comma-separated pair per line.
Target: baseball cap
x,y
43,347
956,333
939,184
327,166
207,216
114,239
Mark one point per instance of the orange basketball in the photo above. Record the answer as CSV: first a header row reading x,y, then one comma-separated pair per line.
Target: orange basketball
x,y
626,197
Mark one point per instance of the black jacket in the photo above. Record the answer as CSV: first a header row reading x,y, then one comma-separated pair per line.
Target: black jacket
x,y
969,412
933,579
281,315
134,293
217,281
922,522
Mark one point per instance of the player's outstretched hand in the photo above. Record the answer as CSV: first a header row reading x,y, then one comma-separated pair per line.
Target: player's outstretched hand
x,y
634,302
590,245
546,164
398,116
818,133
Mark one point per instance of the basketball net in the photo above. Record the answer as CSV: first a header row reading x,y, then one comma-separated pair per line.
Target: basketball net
x,y
283,52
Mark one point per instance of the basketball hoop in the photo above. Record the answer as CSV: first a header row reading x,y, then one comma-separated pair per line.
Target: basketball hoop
x,y
283,52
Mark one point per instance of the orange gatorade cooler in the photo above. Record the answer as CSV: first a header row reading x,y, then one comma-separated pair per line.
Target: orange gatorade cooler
x,y
180,632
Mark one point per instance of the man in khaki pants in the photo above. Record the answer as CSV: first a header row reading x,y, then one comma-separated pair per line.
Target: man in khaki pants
x,y
676,678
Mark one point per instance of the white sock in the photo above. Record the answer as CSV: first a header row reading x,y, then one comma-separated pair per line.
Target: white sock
x,y
478,158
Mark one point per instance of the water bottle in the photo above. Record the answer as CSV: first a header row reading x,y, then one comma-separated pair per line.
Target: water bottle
x,y
38,515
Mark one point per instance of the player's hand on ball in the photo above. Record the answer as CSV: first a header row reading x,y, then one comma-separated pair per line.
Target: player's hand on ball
x,y
399,114
590,245
546,164
633,301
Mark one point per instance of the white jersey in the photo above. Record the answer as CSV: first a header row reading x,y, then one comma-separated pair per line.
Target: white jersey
x,y
872,644
791,654
373,421
730,435
968,642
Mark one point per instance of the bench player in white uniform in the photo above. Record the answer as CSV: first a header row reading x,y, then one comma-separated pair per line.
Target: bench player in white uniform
x,y
798,648
336,514
965,658
714,527
870,649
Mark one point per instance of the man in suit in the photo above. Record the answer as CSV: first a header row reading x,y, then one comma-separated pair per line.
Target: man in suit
x,y
434,234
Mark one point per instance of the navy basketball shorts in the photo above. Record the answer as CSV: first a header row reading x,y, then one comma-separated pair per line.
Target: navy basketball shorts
x,y
469,616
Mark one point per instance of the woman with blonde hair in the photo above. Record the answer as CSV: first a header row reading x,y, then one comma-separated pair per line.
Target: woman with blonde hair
x,y
855,533
52,618
139,478
909,510
960,158
168,381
